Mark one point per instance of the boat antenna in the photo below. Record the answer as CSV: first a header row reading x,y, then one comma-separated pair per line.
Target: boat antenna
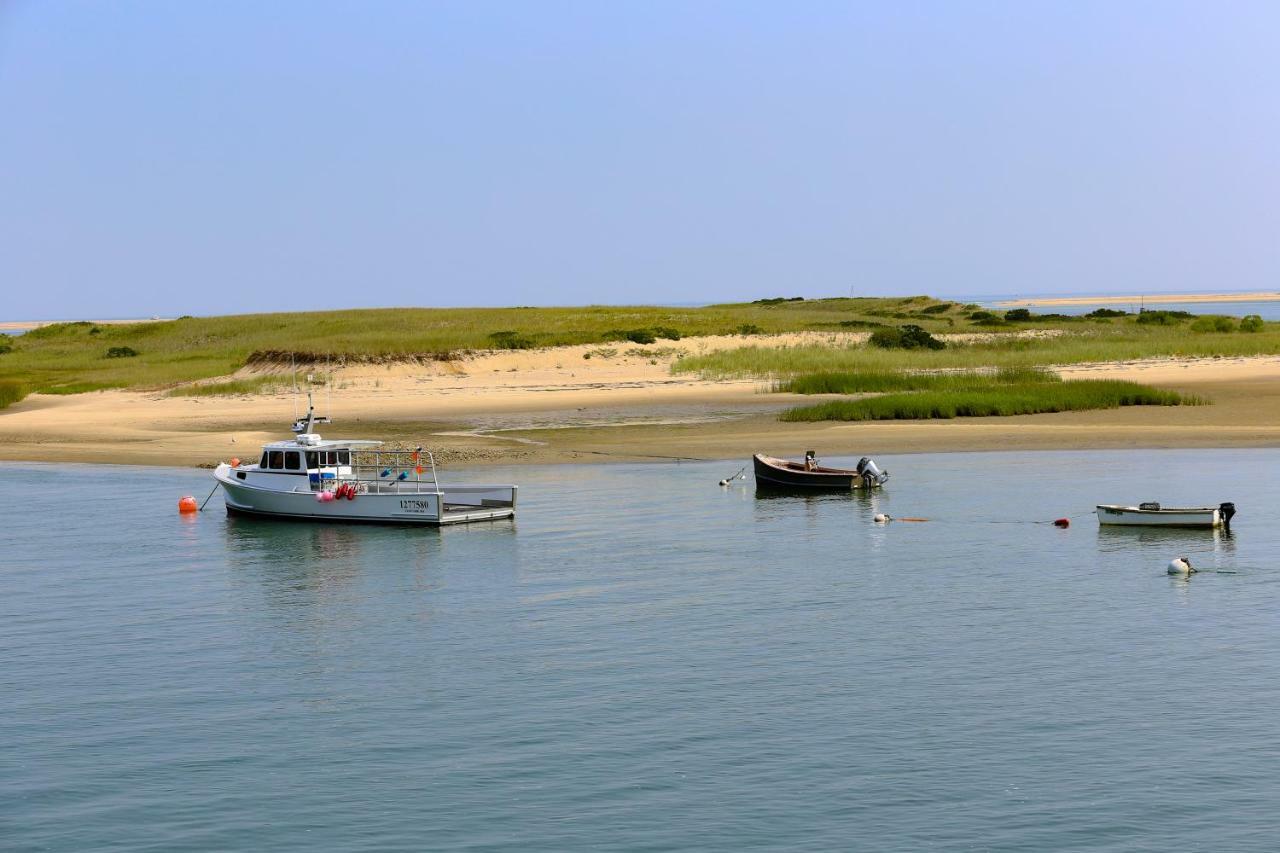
x,y
328,387
293,368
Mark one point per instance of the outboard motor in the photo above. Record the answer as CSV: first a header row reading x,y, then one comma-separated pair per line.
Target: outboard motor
x,y
871,473
1226,510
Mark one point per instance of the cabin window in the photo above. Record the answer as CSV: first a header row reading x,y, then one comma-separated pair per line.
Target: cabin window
x,y
292,460
344,457
312,459
276,459
263,463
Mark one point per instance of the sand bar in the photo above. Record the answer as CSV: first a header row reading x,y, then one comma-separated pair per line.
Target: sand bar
x,y
1190,298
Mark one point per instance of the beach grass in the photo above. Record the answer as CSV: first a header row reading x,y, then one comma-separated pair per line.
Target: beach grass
x,y
1118,340
1020,398
264,384
11,392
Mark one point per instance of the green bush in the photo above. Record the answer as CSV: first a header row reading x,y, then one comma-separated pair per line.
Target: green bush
x,y
1164,318
750,329
666,332
121,352
1106,313
1018,315
1213,324
5,346
1251,323
511,340
905,337
940,308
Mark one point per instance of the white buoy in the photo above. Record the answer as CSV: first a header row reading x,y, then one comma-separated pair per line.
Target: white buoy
x,y
880,518
1181,566
724,482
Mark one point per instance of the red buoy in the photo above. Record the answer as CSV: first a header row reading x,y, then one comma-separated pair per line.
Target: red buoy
x,y
1062,522
187,504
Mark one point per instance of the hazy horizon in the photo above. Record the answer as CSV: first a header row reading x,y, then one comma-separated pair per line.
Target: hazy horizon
x,y
167,159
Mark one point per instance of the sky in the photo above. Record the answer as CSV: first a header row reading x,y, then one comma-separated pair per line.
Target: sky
x,y
162,158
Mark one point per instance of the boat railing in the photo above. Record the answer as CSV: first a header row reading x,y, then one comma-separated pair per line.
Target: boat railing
x,y
383,471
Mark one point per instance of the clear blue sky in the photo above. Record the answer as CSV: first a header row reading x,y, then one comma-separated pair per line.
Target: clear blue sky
x,y
185,157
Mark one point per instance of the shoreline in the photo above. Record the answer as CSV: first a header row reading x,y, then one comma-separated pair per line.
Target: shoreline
x,y
1170,298
558,405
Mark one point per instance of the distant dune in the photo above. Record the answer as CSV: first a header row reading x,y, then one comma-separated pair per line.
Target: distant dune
x,y
1269,296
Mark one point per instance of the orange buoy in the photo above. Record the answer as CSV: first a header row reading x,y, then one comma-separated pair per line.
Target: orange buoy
x,y
235,461
1062,522
187,504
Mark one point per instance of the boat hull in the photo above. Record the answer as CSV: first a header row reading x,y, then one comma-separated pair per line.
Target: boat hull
x,y
1184,517
455,505
774,473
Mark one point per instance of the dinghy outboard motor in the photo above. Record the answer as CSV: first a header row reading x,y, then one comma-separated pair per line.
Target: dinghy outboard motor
x,y
1226,510
870,473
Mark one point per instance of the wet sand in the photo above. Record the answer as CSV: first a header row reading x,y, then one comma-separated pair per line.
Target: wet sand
x,y
555,405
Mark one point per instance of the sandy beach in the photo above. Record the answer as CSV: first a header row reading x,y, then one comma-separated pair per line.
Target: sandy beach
x,y
1189,298
593,403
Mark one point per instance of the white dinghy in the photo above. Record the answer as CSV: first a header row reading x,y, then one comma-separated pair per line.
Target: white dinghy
x,y
345,480
1155,515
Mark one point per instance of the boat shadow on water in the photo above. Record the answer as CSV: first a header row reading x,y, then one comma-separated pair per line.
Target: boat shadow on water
x,y
1194,540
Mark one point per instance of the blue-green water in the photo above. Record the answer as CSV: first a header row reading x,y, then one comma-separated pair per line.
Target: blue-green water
x,y
646,661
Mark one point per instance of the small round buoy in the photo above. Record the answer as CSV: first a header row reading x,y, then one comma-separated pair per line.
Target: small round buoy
x,y
235,461
187,504
724,482
880,518
1181,566
1062,522
319,497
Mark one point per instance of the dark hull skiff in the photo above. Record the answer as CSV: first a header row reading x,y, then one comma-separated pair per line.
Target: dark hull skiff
x,y
784,474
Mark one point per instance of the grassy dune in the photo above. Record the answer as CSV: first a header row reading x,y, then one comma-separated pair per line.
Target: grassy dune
x,y
1120,340
1024,398
72,357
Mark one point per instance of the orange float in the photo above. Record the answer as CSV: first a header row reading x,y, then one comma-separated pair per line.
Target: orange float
x,y
187,504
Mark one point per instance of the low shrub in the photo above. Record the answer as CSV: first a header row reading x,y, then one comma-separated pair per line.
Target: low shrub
x,y
1251,323
121,352
1018,315
5,346
1213,324
511,340
1164,318
751,329
1106,313
905,337
940,308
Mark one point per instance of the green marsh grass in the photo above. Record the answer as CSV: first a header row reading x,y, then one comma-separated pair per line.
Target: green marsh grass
x,y
1016,399
882,381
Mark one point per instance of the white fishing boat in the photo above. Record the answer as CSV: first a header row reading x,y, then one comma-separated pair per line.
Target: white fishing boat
x,y
346,480
1155,515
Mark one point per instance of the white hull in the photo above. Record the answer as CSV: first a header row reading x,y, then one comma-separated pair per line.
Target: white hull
x,y
1202,517
403,505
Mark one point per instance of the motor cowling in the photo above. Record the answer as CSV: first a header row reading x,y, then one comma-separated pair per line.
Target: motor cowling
x,y
1226,511
870,472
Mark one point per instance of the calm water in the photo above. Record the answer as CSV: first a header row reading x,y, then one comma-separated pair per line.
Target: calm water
x,y
1268,310
646,661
